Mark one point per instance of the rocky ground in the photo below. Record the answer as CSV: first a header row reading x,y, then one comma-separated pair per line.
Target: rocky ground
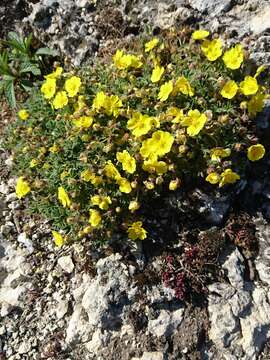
x,y
76,303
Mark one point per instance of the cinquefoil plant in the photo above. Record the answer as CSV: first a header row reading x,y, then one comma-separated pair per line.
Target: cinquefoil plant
x,y
91,148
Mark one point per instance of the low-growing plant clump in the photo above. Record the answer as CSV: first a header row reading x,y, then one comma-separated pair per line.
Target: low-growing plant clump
x,y
94,145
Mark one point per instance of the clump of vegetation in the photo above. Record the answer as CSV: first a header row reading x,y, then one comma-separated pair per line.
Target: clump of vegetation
x,y
189,269
92,147
20,65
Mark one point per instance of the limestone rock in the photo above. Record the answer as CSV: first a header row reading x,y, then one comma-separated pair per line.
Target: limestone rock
x,y
66,263
166,323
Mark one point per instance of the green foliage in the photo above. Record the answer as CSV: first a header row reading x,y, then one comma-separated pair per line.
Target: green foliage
x,y
20,65
122,132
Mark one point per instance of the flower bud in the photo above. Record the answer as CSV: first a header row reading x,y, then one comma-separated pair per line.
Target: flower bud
x,y
133,206
174,184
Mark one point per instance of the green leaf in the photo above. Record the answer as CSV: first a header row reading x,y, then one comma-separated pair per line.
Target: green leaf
x,y
4,68
15,41
47,51
29,67
27,42
2,86
10,94
26,85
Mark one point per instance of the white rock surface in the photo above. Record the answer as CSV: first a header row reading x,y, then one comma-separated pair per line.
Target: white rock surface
x,y
13,268
239,313
166,323
66,264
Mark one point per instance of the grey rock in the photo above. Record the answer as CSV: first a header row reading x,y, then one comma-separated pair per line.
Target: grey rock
x,y
66,263
166,323
13,285
24,348
238,312
211,7
260,22
234,265
61,309
24,240
153,355
11,197
4,189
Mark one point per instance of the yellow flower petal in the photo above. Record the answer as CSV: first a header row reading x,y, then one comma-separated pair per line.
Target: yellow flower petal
x,y
249,86
256,152
22,187
63,197
229,90
59,240
200,34
165,91
157,73
234,57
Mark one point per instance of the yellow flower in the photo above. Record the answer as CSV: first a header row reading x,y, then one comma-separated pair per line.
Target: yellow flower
x,y
158,145
218,153
110,171
234,57
228,177
256,104
149,185
229,90
128,162
150,45
183,86
124,185
139,124
133,206
83,122
112,105
249,86
148,148
212,49
256,152
54,149
23,114
99,101
34,163
72,85
109,104
48,88
177,114
154,166
213,178
63,197
117,59
165,90
102,202
136,231
163,142
56,74
22,187
95,218
60,100
96,180
174,184
59,240
200,34
87,175
125,61
195,122
157,73
80,103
